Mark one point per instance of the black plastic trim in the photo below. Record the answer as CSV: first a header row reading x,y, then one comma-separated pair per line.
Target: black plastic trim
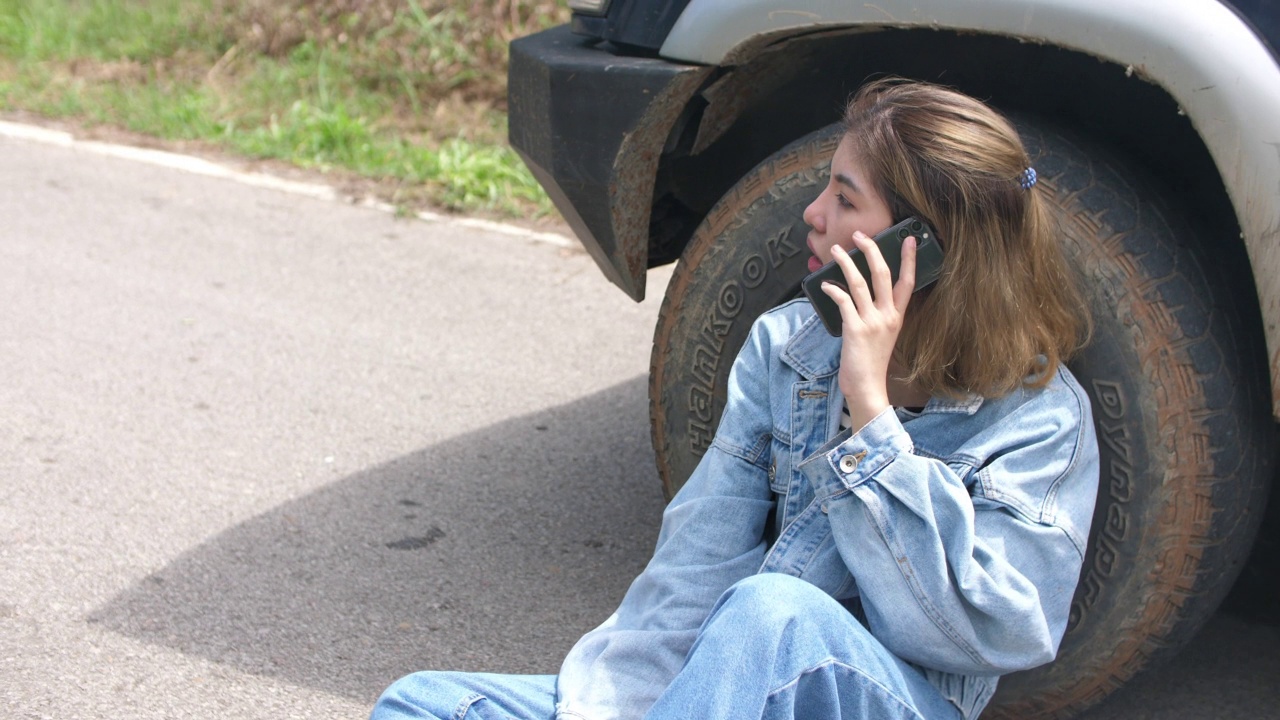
x,y
573,108
638,24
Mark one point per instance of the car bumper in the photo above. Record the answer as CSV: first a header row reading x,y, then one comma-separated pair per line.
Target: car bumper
x,y
591,126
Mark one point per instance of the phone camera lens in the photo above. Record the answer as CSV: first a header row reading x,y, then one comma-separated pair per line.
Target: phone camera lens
x,y
903,233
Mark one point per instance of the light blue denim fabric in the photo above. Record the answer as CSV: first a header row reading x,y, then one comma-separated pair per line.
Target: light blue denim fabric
x,y
774,647
959,531
468,696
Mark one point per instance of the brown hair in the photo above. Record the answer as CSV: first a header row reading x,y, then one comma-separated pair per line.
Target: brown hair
x,y
1007,300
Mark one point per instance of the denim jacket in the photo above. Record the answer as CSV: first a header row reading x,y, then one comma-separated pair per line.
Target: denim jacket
x,y
959,530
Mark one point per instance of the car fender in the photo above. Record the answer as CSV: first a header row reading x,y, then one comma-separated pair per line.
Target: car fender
x,y
1204,55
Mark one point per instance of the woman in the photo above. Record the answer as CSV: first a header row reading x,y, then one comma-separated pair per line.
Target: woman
x,y
886,521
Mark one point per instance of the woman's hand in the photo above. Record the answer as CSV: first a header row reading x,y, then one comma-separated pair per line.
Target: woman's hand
x,y
869,328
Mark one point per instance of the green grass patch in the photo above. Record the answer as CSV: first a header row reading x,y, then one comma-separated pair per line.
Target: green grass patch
x,y
105,30
409,94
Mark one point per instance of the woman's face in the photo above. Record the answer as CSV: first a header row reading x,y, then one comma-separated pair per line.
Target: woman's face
x,y
848,203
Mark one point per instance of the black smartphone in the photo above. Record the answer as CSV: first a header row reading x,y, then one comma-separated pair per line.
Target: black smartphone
x,y
928,267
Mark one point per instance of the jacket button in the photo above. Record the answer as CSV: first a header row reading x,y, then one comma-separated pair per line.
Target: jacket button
x,y
847,464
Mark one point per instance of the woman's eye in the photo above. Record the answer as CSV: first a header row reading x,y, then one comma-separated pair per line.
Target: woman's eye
x,y
844,202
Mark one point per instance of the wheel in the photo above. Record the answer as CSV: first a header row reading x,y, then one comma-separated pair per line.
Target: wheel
x,y
1175,375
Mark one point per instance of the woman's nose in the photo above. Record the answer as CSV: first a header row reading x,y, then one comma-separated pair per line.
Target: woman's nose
x,y
812,214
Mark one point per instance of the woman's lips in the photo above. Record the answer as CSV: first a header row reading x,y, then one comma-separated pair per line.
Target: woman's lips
x,y
814,262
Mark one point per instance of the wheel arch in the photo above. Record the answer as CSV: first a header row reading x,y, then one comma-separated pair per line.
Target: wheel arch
x,y
785,86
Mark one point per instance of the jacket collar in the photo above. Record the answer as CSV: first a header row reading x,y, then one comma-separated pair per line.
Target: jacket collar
x,y
814,353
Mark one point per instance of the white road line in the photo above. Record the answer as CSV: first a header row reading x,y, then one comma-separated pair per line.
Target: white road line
x,y
199,166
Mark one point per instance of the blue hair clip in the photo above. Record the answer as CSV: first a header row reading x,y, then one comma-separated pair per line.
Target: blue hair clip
x,y
1028,178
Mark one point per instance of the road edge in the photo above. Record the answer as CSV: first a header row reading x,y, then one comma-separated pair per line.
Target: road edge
x,y
200,166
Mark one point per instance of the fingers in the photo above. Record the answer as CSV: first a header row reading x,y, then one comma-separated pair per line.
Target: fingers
x,y
858,289
883,292
842,301
906,275
881,277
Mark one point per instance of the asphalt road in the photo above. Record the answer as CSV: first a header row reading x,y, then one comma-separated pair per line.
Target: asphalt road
x,y
261,454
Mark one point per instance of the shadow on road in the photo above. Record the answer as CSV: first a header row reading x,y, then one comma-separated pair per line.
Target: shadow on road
x,y
495,551
492,551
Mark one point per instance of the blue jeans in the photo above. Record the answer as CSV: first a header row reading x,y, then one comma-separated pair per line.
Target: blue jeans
x,y
773,647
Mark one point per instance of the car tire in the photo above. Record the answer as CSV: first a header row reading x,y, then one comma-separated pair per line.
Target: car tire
x,y
1178,389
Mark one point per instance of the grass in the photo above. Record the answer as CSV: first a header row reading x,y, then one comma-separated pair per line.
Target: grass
x,y
407,95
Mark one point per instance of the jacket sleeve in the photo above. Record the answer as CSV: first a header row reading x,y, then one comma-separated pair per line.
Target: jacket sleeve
x,y
712,536
971,583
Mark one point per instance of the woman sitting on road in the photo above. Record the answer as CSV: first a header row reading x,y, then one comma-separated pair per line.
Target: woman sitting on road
x,y
889,520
